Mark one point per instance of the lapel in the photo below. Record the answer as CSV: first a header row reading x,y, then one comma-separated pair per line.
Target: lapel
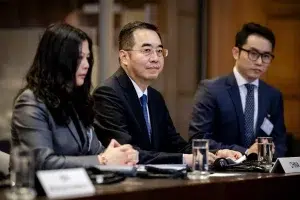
x,y
262,105
134,105
73,130
154,116
85,147
236,99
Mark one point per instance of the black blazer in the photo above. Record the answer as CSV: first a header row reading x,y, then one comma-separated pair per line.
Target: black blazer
x,y
54,146
218,114
119,115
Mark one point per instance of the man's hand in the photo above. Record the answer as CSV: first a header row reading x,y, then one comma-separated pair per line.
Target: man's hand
x,y
273,147
253,149
227,153
211,158
188,158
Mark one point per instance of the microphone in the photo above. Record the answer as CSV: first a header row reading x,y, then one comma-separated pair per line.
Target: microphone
x,y
252,156
222,164
225,163
250,165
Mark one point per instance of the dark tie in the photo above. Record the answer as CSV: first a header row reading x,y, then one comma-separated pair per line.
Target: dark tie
x,y
144,101
249,115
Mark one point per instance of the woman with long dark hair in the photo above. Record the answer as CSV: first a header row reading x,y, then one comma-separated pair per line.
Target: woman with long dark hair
x,y
53,113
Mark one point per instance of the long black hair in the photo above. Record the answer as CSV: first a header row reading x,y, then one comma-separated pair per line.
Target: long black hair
x,y
52,78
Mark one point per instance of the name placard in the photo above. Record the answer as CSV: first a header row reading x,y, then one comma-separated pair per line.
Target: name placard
x,y
65,183
286,165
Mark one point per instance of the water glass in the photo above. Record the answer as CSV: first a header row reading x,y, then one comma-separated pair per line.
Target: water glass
x,y
265,153
200,149
22,174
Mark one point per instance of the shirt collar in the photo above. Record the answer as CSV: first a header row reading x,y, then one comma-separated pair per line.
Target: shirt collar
x,y
241,80
138,90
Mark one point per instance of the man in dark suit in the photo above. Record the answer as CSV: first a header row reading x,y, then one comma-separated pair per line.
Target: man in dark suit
x,y
232,111
130,111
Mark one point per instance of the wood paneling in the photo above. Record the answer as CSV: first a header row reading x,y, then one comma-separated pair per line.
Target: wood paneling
x,y
177,21
284,73
224,19
33,13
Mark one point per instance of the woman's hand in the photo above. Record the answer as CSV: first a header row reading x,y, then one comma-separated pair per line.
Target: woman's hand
x,y
116,154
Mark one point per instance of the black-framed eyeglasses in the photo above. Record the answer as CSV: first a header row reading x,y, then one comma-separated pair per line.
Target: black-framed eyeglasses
x,y
254,55
150,51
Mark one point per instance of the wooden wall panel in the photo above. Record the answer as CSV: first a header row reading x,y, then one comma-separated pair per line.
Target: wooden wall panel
x,y
292,116
284,73
186,71
177,21
225,18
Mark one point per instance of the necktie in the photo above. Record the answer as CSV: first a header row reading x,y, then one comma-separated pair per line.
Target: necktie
x,y
144,101
249,115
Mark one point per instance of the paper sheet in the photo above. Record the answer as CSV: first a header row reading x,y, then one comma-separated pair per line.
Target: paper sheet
x,y
141,168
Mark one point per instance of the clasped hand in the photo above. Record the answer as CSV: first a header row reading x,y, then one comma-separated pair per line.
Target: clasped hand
x,y
117,154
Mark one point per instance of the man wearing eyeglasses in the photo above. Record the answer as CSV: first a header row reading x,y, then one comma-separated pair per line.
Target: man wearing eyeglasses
x,y
232,111
129,110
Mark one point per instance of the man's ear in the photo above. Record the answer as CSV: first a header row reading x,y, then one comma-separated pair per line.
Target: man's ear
x,y
123,55
235,53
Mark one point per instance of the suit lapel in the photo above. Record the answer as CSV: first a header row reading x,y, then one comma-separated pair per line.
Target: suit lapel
x,y
134,104
236,99
262,105
73,130
153,112
85,147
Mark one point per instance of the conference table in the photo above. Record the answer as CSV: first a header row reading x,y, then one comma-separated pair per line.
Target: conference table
x,y
231,186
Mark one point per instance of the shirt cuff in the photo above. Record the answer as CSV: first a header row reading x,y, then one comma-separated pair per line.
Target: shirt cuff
x,y
183,160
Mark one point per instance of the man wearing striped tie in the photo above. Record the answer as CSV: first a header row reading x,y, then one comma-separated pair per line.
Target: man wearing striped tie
x,y
233,110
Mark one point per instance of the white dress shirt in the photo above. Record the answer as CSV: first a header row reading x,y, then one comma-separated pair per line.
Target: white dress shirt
x,y
140,93
241,81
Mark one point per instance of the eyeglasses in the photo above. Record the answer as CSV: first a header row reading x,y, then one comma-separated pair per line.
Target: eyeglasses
x,y
254,55
150,51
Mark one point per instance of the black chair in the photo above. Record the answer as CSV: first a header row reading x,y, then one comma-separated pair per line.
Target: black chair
x,y
293,145
5,146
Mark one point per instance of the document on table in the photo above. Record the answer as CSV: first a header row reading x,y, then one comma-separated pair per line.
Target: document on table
x,y
141,168
224,174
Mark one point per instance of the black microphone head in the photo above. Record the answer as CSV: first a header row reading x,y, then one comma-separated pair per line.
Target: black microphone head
x,y
230,161
220,164
252,156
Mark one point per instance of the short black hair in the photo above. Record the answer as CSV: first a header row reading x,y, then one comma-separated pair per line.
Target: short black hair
x,y
254,29
126,40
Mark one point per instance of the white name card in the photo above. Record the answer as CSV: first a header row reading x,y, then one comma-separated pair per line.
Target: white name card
x,y
287,165
66,183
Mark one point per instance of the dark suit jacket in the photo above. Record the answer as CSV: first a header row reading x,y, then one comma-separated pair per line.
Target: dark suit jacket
x,y
54,146
218,115
119,115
